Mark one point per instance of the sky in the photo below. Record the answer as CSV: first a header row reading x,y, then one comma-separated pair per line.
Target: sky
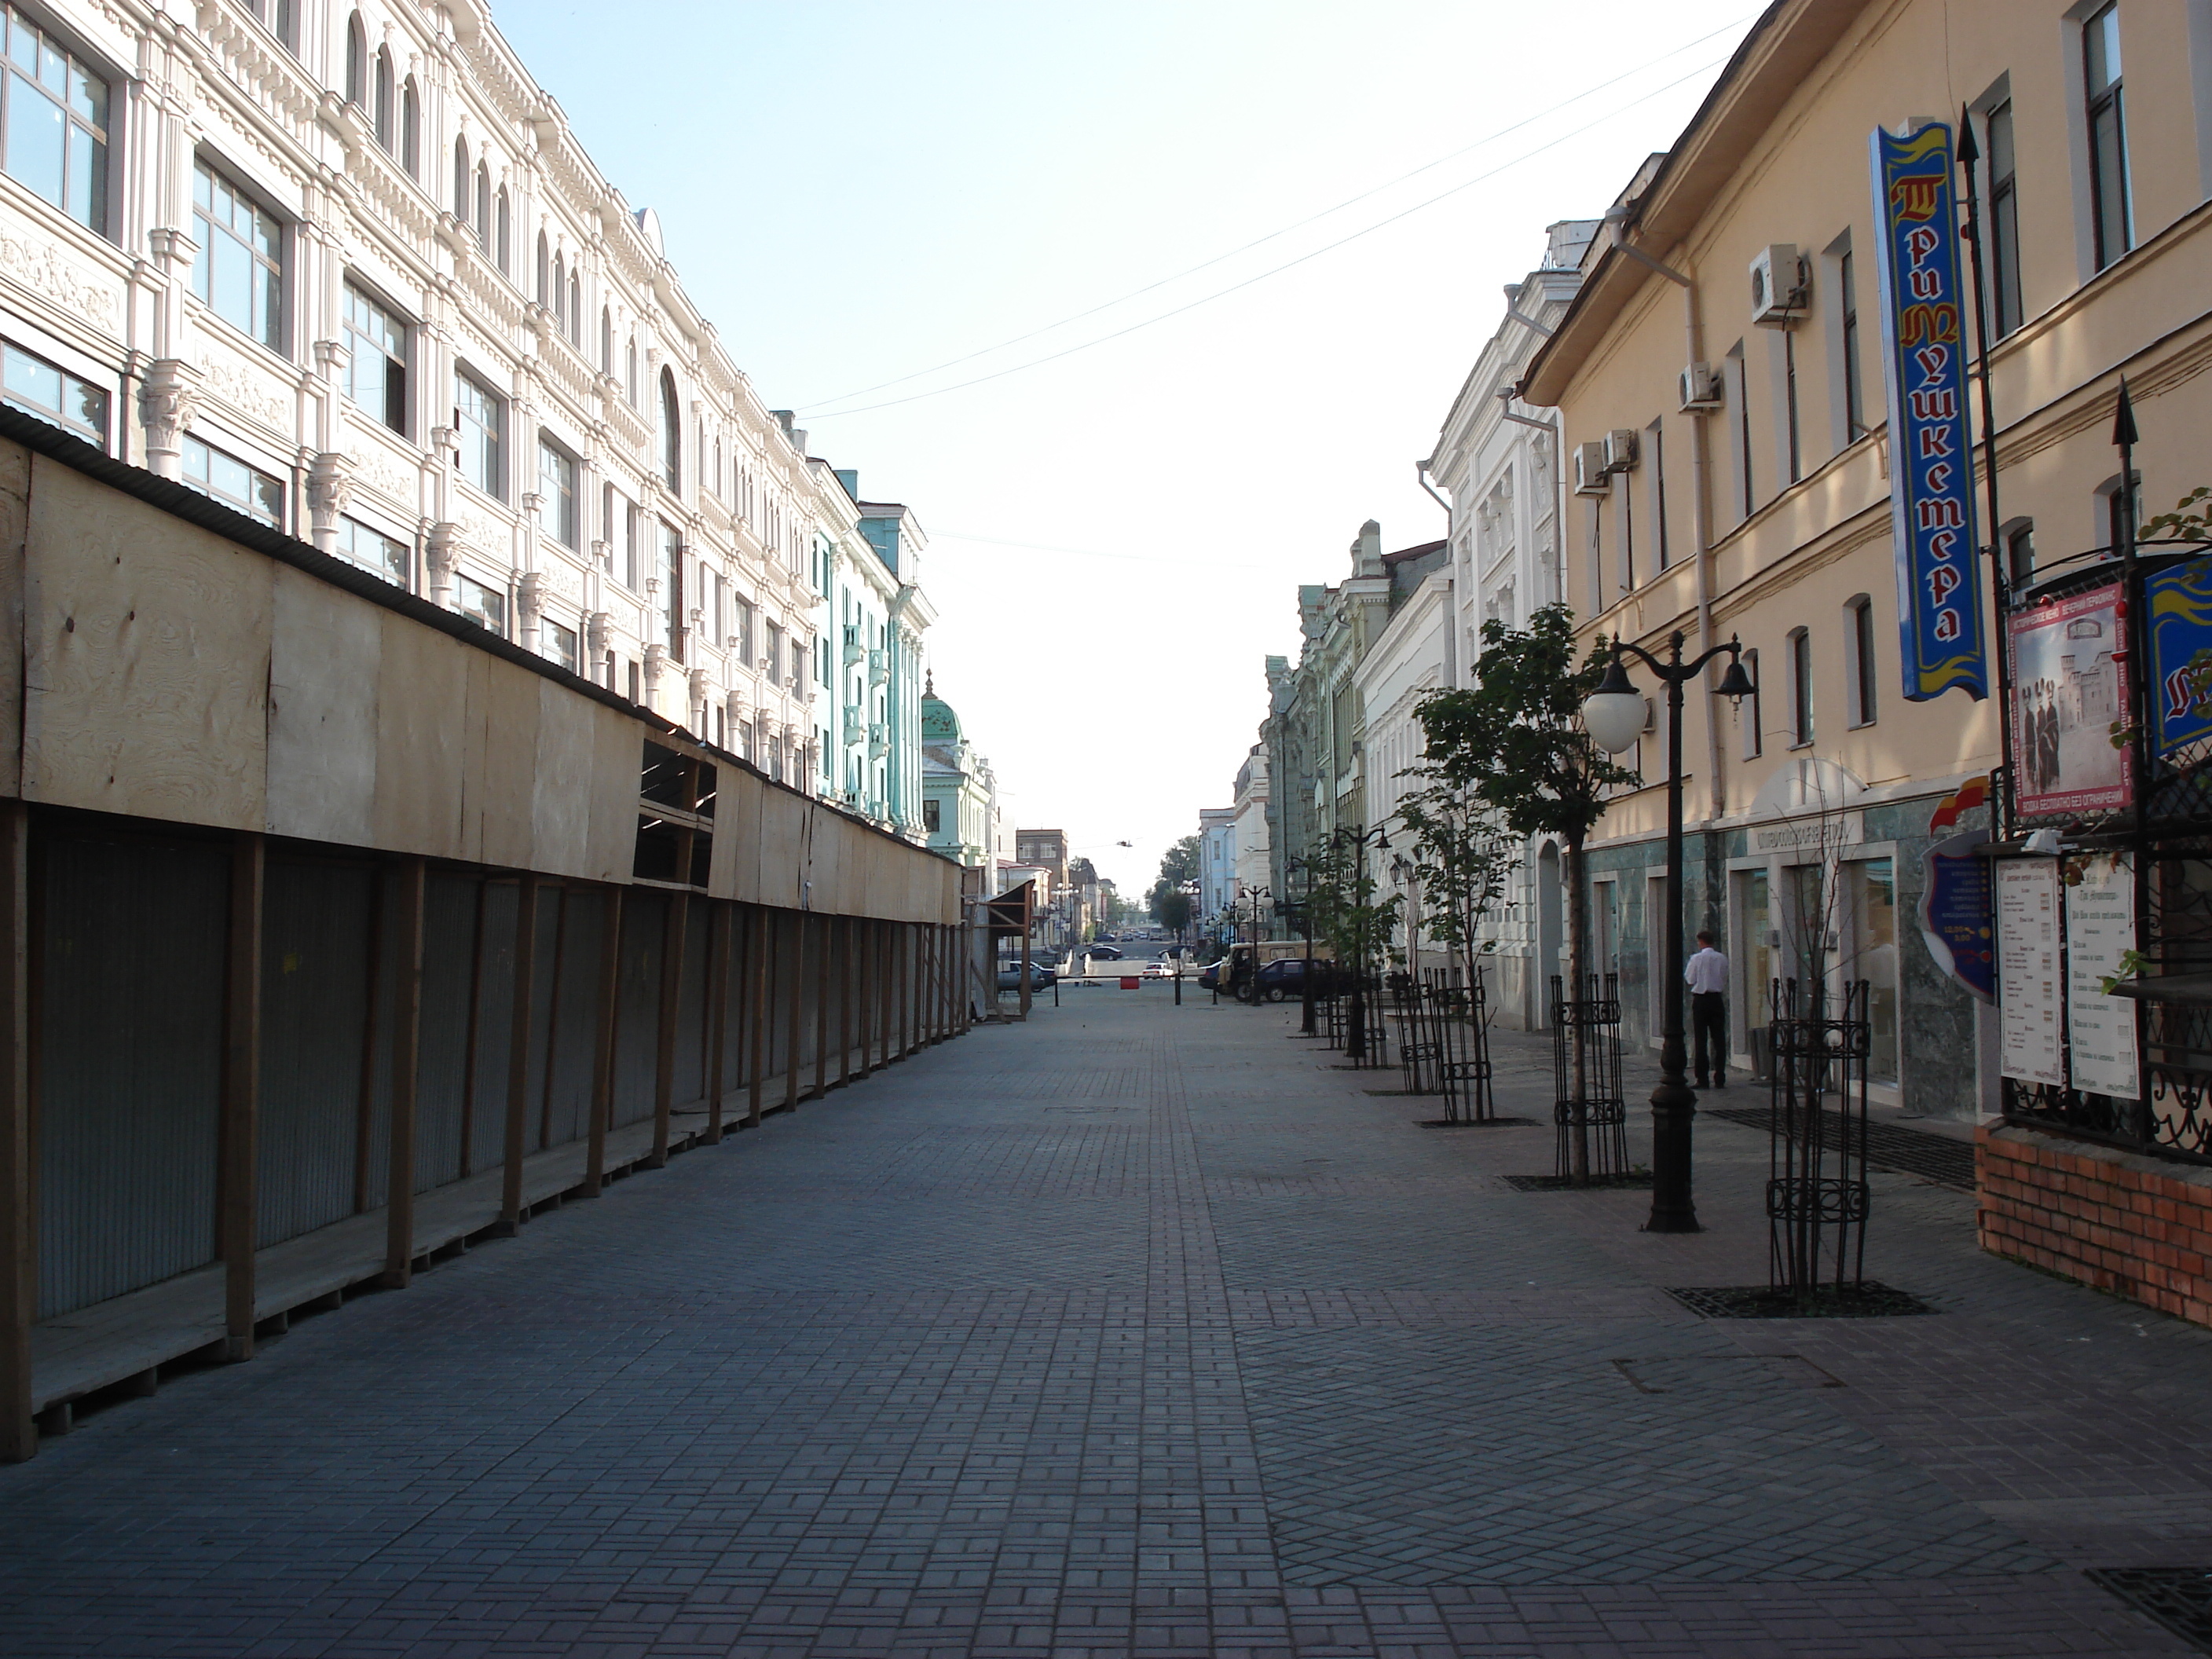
x,y
871,198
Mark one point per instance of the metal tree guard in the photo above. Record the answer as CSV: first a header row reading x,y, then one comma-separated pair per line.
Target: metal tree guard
x,y
1817,1197
1588,1026
1462,1027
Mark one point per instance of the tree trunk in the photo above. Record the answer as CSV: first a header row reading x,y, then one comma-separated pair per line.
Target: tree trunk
x,y
1577,927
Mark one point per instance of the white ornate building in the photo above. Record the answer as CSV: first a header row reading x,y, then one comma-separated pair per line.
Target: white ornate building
x,y
1498,461
348,269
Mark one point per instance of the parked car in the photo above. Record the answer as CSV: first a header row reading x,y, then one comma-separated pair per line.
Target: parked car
x,y
1042,978
1210,976
1103,952
1279,982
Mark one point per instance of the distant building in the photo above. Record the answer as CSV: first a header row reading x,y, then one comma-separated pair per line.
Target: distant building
x,y
959,791
868,664
1252,851
1218,889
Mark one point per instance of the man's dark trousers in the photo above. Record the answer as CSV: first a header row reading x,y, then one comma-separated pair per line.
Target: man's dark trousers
x,y
1709,1024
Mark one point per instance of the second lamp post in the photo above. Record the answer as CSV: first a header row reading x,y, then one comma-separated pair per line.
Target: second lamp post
x,y
1614,715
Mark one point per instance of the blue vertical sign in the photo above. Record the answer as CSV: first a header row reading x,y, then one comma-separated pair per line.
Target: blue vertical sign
x,y
1931,464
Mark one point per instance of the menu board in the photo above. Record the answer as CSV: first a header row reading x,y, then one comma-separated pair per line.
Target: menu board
x,y
2028,970
2100,928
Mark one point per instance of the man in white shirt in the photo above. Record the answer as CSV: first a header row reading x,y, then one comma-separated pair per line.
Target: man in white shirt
x,y
1707,975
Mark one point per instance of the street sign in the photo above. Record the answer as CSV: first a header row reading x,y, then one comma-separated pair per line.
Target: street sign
x,y
1931,468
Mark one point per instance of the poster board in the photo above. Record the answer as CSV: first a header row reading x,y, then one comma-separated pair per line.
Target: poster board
x,y
2027,970
2066,698
1957,921
2100,929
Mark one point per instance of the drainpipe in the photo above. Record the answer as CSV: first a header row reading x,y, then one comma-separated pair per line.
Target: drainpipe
x,y
1421,477
1700,517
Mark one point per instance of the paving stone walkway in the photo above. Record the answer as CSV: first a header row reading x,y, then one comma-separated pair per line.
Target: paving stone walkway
x,y
1140,1330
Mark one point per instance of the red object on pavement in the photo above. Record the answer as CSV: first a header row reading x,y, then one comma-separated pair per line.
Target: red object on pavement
x,y
1130,982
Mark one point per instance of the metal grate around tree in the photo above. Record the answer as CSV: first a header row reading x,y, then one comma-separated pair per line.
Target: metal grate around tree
x,y
1588,1107
1443,1041
1817,1196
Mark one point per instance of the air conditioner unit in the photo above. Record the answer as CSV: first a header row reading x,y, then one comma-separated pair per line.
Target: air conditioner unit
x,y
1778,286
1591,477
1700,390
1620,450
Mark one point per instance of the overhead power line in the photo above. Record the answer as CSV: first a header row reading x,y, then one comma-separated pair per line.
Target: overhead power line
x,y
1299,224
1275,270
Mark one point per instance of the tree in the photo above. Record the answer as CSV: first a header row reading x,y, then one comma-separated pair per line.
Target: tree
x,y
1464,858
1170,907
1340,907
1515,742
1179,864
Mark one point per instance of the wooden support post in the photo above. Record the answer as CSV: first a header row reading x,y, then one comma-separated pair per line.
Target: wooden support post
x,y
718,1011
603,1051
672,999
885,992
847,968
241,1094
19,1280
828,930
525,1009
909,947
406,1057
797,968
467,1165
759,1038
364,1105
553,1021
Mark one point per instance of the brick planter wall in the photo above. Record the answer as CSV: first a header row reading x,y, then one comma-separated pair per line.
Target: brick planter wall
x,y
2133,1226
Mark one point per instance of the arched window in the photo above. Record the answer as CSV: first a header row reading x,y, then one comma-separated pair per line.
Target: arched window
x,y
560,289
606,341
483,205
506,251
384,99
671,434
575,310
544,270
356,64
461,179
411,129
630,372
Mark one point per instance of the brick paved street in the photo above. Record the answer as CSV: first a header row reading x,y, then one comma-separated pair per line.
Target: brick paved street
x,y
1140,1330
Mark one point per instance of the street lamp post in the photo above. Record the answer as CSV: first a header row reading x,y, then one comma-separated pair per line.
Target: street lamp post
x,y
1614,715
1299,877
1355,1045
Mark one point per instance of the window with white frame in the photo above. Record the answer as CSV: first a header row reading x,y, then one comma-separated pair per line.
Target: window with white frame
x,y
2003,274
376,359
670,600
226,479
741,632
558,644
280,18
672,435
556,491
1800,689
238,270
373,551
411,129
1859,620
28,382
480,422
386,115
483,605
356,60
2111,217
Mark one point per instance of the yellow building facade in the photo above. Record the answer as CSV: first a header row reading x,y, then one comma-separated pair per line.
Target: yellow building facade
x,y
1720,380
